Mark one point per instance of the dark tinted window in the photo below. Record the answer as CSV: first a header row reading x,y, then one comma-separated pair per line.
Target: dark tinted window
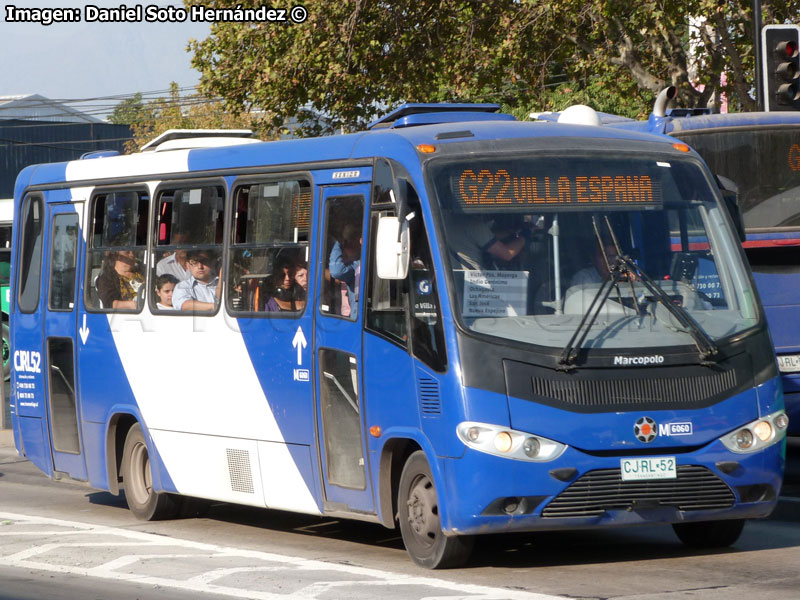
x,y
30,262
63,258
765,165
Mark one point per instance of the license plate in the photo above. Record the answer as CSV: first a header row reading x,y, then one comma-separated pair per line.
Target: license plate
x,y
789,363
661,467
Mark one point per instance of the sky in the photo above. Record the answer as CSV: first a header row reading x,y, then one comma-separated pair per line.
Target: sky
x,y
89,60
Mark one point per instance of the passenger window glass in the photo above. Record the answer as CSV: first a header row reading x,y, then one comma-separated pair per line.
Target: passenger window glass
x,y
30,255
427,331
116,255
268,262
188,236
343,240
386,299
63,259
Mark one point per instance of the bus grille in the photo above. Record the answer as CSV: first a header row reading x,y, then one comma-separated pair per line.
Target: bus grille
x,y
695,488
618,391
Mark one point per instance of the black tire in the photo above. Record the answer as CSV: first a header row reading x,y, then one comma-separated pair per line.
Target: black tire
x,y
418,514
709,534
137,479
6,353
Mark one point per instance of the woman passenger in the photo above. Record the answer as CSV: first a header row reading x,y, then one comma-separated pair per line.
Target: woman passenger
x,y
119,280
285,292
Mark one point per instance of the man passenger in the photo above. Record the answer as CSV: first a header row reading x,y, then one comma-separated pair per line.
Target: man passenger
x,y
201,291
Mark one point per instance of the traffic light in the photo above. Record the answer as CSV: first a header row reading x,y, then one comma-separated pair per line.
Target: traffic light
x,y
780,45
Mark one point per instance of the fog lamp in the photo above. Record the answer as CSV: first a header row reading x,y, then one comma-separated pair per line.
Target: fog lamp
x,y
744,438
763,430
781,421
531,447
503,441
473,433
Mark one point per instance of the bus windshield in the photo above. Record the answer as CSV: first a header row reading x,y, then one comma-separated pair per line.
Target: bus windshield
x,y
765,165
531,240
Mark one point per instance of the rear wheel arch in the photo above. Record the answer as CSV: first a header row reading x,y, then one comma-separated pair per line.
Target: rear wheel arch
x,y
118,427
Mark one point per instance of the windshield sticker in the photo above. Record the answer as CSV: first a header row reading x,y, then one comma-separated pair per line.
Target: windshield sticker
x,y
495,293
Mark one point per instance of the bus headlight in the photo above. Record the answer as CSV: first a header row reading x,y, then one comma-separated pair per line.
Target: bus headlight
x,y
508,443
757,435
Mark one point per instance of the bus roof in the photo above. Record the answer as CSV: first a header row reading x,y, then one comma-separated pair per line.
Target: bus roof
x,y
747,119
363,145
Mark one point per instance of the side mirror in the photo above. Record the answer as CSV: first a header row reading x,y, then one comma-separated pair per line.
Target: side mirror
x,y
391,248
730,194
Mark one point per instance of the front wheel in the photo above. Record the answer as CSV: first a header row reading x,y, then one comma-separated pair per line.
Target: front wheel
x,y
420,526
709,534
137,479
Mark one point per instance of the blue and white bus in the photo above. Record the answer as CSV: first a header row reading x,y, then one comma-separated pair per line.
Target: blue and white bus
x,y
452,322
758,156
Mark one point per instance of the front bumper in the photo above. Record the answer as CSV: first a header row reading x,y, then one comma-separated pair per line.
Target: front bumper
x,y
489,494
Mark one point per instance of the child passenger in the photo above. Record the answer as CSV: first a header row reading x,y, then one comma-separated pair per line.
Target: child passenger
x,y
165,284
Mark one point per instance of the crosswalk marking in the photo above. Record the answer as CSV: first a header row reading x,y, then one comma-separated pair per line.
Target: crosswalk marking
x,y
135,556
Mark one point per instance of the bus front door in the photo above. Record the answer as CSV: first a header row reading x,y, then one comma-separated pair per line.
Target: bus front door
x,y
60,335
337,346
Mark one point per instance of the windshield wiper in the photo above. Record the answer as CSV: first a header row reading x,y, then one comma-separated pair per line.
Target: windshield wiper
x,y
704,343
616,271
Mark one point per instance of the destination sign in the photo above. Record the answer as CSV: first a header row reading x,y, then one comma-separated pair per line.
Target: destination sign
x,y
499,188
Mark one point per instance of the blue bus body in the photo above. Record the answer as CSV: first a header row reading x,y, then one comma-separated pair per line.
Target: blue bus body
x,y
760,153
317,412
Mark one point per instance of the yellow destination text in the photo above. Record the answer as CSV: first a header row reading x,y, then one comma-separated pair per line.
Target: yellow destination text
x,y
500,188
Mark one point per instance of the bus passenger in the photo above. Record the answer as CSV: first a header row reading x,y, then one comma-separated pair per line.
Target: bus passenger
x,y
165,285
344,264
174,263
301,275
478,242
119,280
286,294
201,291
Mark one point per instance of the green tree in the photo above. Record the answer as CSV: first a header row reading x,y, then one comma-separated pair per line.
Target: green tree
x,y
354,60
703,47
130,110
192,111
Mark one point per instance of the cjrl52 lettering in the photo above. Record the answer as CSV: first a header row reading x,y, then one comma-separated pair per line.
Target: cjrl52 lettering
x,y
27,361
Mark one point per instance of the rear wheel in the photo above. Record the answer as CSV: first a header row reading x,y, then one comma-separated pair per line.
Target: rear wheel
x,y
420,526
709,534
137,479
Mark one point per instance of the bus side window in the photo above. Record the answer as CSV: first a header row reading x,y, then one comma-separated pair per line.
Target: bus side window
x,y
188,248
117,245
387,300
30,262
267,268
427,330
63,258
342,251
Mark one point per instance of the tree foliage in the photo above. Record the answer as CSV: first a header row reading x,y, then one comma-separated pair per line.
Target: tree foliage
x,y
128,111
353,60
192,111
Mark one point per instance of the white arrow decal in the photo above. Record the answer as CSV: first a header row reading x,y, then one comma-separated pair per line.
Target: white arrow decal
x,y
84,331
299,342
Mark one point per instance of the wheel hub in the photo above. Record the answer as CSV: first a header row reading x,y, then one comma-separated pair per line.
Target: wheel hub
x,y
422,510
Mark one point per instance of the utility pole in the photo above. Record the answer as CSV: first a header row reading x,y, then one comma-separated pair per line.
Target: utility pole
x,y
758,52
